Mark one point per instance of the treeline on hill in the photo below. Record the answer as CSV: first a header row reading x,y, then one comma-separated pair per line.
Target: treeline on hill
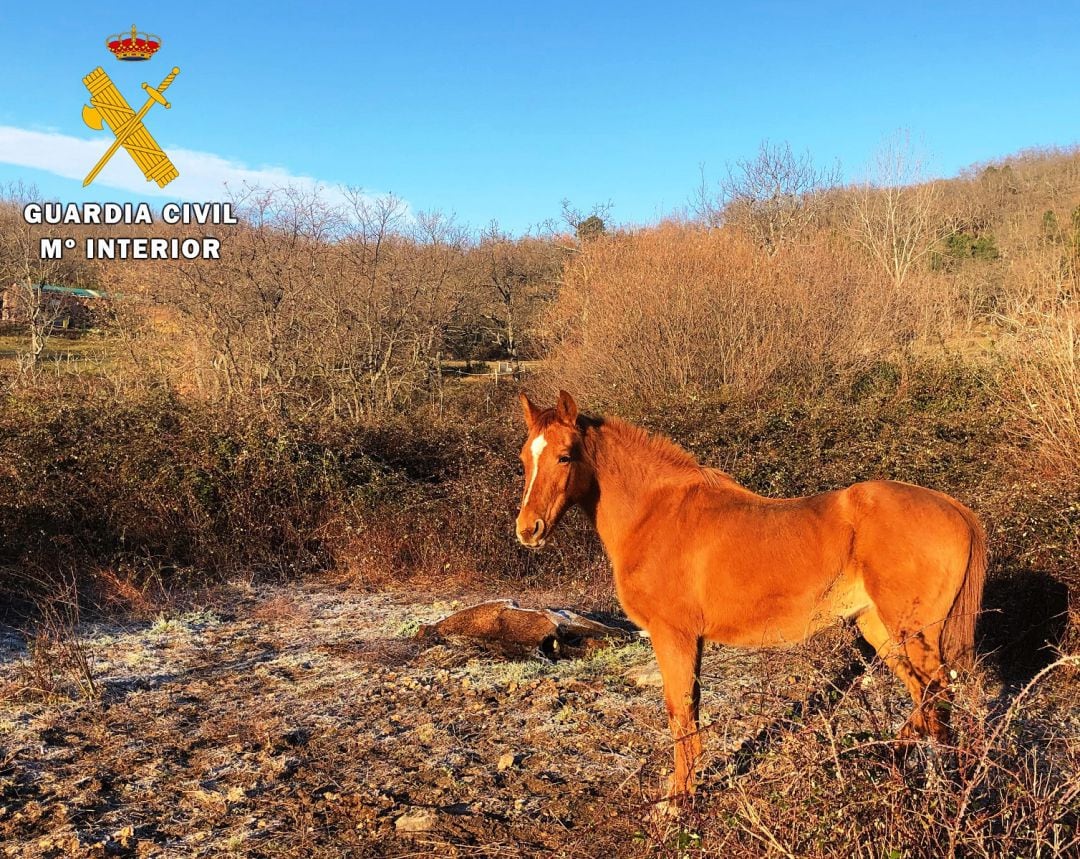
x,y
305,404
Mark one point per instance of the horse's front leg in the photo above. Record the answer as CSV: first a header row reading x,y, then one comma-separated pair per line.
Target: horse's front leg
x,y
678,654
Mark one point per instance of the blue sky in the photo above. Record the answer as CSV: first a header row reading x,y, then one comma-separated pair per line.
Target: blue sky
x,y
499,111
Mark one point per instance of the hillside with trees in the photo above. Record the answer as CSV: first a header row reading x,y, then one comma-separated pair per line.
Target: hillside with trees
x,y
335,401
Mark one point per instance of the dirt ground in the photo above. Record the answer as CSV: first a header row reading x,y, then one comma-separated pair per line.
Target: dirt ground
x,y
304,720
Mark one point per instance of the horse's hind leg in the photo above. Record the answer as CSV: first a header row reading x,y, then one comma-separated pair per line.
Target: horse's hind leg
x,y
915,660
679,656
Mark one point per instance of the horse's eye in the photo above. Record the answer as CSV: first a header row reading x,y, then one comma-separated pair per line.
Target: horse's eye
x,y
564,458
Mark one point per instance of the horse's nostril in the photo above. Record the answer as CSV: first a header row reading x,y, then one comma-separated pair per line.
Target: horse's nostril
x,y
532,536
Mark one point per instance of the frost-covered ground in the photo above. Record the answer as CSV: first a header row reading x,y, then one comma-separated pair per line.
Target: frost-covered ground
x,y
305,721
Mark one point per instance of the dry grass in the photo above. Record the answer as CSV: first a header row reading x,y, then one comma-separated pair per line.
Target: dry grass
x,y
58,665
1045,385
834,783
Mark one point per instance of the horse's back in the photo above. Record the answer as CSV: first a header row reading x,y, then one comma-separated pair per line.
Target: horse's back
x,y
756,571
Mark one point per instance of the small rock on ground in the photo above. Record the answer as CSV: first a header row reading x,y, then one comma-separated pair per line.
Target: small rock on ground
x,y
645,675
417,820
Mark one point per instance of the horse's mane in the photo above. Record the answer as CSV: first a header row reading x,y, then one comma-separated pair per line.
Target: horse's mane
x,y
659,450
655,445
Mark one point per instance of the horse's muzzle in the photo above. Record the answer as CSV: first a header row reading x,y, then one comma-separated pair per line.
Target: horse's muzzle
x,y
532,535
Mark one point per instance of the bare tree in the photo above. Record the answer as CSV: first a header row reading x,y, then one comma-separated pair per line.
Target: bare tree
x,y
405,270
895,214
590,224
25,274
773,196
511,278
506,281
250,311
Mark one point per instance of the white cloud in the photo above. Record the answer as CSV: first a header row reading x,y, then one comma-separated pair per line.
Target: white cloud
x,y
203,175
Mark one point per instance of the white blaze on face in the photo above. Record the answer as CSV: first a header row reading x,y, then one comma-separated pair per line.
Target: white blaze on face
x,y
536,448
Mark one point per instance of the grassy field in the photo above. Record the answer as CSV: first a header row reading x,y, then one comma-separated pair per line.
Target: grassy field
x,y
64,353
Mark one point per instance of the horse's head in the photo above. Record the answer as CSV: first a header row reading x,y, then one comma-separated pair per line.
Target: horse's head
x,y
556,475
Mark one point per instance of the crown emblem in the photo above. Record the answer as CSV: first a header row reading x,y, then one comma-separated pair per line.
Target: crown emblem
x,y
134,46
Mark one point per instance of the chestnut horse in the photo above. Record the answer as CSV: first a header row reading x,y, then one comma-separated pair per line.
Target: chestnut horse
x,y
696,556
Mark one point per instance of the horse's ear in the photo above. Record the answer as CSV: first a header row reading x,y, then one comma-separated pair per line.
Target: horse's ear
x,y
530,411
566,409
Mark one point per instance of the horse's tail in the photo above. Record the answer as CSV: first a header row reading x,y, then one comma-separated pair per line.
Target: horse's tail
x,y
958,634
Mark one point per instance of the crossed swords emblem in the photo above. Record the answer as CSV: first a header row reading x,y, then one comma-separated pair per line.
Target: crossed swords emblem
x,y
108,107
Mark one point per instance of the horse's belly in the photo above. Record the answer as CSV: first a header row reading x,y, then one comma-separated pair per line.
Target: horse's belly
x,y
783,614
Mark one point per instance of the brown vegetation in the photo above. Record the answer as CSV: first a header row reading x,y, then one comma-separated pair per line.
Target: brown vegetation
x,y
685,311
289,411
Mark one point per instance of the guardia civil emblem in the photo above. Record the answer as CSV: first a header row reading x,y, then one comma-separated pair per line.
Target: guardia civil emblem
x,y
109,108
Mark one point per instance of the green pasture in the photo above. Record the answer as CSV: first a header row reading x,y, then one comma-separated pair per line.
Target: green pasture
x,y
64,352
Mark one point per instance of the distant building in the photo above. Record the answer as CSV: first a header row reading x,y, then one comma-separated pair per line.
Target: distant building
x,y
70,307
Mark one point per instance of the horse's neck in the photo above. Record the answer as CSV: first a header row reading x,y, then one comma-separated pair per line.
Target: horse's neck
x,y
626,475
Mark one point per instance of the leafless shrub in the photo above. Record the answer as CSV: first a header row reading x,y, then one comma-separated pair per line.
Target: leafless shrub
x,y
774,196
895,215
1043,386
678,311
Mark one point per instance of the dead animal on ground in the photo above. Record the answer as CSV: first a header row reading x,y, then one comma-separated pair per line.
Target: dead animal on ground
x,y
698,557
520,632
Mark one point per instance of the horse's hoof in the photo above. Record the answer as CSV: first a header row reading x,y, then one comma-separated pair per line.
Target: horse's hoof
x,y
674,802
667,809
935,731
